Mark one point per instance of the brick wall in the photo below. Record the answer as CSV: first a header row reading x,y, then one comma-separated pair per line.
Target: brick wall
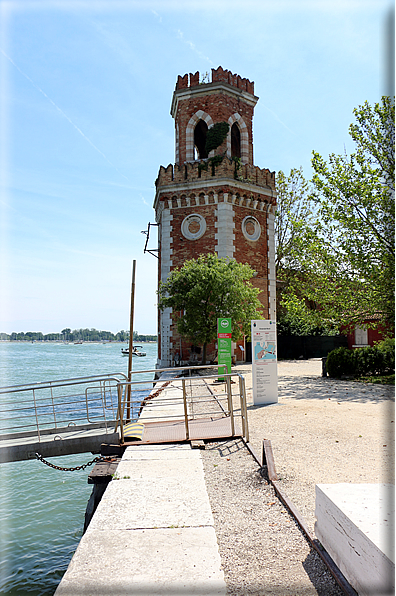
x,y
224,214
228,98
184,249
191,172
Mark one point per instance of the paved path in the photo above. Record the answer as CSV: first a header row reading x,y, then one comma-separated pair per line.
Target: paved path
x,y
153,531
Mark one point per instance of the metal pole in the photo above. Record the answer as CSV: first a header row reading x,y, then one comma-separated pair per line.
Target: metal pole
x,y
245,412
128,413
185,409
120,413
37,420
242,406
230,404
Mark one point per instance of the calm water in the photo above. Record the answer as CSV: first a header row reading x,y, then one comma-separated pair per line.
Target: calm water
x,y
41,509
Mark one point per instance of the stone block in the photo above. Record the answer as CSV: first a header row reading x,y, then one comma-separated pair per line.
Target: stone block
x,y
355,525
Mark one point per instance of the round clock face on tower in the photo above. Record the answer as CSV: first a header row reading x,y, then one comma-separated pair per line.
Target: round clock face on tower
x,y
251,228
193,226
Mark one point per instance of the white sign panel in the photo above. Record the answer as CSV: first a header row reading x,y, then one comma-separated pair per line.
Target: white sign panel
x,y
264,362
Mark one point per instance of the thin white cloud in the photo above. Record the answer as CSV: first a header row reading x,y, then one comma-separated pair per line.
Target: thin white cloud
x,y
63,113
127,186
277,118
157,15
144,201
192,46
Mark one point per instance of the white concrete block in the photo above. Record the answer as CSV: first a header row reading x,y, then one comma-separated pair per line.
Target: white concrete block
x,y
355,524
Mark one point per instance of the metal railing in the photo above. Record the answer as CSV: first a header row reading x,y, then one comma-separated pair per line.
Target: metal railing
x,y
193,398
62,405
49,407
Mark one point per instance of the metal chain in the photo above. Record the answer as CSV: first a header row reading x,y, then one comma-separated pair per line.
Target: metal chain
x,y
47,463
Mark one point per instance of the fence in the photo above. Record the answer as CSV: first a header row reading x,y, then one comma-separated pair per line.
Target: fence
x,y
48,407
293,347
189,399
101,401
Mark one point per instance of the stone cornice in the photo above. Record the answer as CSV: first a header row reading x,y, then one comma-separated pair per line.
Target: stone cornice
x,y
210,89
201,185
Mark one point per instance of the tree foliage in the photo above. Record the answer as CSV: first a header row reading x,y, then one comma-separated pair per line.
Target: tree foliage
x,y
298,248
77,335
205,289
294,213
356,195
335,259
372,360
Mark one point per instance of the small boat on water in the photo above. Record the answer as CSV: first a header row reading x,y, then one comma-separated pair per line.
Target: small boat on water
x,y
135,351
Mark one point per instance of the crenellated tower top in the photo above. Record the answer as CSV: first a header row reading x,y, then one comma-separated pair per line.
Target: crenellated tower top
x,y
198,105
218,74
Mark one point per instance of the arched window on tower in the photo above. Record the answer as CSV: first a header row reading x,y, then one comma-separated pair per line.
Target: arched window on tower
x,y
200,133
235,141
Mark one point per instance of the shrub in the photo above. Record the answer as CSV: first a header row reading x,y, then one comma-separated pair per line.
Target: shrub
x,y
376,360
387,350
368,361
340,362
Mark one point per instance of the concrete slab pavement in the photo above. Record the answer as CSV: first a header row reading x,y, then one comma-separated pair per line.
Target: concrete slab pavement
x,y
152,532
149,562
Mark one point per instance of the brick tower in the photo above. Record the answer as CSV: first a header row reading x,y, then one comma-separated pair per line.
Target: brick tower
x,y
204,206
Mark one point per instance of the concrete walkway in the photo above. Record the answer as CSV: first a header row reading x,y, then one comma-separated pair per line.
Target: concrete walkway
x,y
153,531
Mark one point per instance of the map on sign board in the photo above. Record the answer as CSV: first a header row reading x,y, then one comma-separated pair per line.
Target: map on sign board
x,y
265,350
264,362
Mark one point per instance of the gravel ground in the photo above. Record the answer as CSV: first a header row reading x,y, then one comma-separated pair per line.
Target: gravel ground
x,y
321,431
262,550
324,431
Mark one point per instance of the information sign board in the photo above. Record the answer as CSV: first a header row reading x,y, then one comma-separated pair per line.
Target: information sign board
x,y
264,362
224,343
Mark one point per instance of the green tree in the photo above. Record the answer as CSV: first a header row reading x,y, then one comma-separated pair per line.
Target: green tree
x,y
294,214
356,195
207,288
298,248
335,245
122,335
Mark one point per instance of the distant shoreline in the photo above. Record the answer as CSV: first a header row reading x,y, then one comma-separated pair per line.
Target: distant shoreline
x,y
85,341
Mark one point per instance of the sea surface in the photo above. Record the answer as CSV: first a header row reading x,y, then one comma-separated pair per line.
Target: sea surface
x,y
41,509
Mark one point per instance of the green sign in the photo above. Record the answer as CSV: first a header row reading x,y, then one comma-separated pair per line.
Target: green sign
x,y
224,326
224,344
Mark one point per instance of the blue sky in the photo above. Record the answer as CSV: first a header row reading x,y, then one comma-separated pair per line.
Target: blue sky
x,y
86,89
